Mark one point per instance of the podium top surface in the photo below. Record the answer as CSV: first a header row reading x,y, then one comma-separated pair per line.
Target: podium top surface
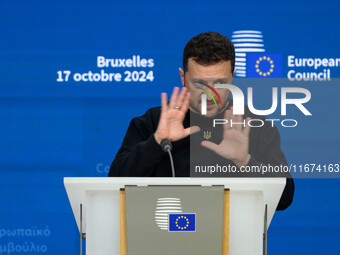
x,y
78,187
113,183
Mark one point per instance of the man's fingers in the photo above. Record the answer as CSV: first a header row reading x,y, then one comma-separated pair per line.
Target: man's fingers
x,y
237,121
227,116
164,101
246,130
191,130
186,102
209,145
194,129
181,98
173,98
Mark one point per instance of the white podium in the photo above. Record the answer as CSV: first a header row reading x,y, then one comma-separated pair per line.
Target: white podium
x,y
100,200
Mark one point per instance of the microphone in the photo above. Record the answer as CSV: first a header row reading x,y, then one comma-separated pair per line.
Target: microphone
x,y
167,147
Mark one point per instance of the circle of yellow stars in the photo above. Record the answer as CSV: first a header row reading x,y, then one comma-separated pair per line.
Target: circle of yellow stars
x,y
186,220
269,60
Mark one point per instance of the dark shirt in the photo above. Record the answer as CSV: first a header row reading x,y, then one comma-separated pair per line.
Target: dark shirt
x,y
141,156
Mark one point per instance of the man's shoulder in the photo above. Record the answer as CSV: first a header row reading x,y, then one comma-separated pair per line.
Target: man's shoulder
x,y
151,116
154,111
151,113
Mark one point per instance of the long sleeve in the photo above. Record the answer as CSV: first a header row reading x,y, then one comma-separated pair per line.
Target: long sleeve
x,y
139,153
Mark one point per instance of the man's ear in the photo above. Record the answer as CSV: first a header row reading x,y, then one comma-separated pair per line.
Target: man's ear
x,y
234,73
181,73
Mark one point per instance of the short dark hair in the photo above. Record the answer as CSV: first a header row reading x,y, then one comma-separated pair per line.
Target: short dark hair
x,y
209,48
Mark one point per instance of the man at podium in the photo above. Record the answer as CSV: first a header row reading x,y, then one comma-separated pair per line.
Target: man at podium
x,y
208,59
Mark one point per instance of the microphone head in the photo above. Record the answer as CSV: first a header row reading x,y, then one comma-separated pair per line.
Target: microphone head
x,y
166,145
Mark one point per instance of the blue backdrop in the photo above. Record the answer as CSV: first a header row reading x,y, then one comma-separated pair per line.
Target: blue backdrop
x,y
55,123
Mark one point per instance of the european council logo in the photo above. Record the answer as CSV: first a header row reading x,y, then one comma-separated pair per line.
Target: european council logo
x,y
262,65
246,42
179,222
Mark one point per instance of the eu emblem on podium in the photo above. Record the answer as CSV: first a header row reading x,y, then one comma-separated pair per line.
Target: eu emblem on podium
x,y
179,222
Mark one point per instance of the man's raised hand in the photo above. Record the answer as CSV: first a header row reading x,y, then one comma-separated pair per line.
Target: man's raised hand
x,y
170,125
235,143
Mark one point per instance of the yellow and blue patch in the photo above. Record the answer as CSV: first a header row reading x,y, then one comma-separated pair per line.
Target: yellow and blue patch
x,y
262,65
179,222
